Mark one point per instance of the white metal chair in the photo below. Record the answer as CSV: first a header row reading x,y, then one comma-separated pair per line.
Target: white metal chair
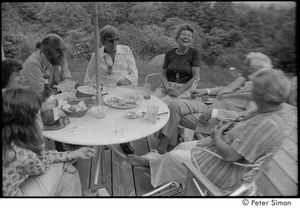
x,y
206,188
248,187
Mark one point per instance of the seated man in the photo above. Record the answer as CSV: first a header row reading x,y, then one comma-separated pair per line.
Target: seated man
x,y
244,139
232,101
50,60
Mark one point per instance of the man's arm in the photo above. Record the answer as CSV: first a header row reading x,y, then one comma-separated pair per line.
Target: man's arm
x,y
222,147
35,77
220,114
64,77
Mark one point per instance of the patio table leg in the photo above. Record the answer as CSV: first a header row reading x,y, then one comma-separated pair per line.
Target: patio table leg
x,y
100,165
103,166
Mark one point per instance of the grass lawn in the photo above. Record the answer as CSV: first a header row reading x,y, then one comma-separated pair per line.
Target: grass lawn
x,y
209,77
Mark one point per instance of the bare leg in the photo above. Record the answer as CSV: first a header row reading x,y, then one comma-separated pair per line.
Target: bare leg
x,y
163,144
138,160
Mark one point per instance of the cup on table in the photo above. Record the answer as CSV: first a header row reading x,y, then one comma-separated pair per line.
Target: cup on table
x,y
152,111
147,88
99,111
121,127
139,90
70,85
112,84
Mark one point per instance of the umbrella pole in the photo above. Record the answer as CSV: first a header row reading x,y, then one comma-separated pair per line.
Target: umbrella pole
x,y
97,72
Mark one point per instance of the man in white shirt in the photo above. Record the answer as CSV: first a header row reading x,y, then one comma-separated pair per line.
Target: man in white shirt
x,y
50,60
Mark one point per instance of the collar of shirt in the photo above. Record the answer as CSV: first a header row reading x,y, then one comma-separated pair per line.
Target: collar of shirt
x,y
119,50
247,86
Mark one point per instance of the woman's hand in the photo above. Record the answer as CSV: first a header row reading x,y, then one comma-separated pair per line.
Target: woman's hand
x,y
83,153
198,93
124,82
175,92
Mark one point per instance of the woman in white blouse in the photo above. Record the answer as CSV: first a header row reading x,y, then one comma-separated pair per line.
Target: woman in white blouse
x,y
116,62
116,66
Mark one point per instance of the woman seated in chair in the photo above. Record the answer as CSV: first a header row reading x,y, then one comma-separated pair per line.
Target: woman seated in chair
x,y
27,168
243,140
116,66
180,68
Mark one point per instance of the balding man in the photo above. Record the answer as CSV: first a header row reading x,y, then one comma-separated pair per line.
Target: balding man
x,y
232,100
50,60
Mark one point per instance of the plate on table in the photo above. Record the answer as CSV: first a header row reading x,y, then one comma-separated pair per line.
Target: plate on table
x,y
63,121
118,101
88,91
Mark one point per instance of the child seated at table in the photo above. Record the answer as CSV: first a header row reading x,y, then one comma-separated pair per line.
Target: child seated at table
x,y
29,169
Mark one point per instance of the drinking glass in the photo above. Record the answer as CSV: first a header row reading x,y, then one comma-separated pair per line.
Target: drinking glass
x,y
139,90
112,84
70,85
121,127
152,111
147,87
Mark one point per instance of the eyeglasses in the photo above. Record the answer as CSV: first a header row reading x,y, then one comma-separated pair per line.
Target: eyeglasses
x,y
58,50
245,67
111,40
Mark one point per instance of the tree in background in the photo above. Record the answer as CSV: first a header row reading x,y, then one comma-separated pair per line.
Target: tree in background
x,y
62,17
225,30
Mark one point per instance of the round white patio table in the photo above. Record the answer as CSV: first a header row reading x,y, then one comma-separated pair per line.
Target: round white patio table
x,y
88,130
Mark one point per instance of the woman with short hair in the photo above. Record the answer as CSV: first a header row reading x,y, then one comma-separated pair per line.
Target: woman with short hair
x,y
116,62
116,66
181,66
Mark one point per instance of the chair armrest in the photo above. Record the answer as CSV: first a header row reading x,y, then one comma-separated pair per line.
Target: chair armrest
x,y
203,181
169,189
245,188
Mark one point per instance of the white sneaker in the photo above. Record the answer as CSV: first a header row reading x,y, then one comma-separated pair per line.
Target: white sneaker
x,y
152,154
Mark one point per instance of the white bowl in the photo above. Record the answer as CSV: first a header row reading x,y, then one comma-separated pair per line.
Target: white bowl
x,y
99,111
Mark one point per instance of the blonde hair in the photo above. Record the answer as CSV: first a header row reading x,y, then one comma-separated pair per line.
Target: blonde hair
x,y
271,84
259,60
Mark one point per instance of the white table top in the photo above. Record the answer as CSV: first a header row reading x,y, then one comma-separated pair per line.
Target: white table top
x,y
88,130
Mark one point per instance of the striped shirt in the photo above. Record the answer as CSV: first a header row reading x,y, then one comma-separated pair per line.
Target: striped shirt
x,y
27,164
251,137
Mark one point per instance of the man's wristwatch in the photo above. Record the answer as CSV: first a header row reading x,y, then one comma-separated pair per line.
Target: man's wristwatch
x,y
55,90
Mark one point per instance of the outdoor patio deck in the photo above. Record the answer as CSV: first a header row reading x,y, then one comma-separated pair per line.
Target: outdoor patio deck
x,y
279,179
122,178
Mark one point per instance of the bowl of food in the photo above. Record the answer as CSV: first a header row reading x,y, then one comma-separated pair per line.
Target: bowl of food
x,y
99,111
76,110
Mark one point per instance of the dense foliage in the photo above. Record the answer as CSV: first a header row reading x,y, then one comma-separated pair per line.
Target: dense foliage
x,y
225,30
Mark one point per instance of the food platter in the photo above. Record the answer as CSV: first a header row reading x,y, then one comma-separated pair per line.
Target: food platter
x,y
124,102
